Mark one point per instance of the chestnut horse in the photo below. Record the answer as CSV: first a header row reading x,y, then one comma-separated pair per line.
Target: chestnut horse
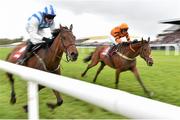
x,y
47,59
124,59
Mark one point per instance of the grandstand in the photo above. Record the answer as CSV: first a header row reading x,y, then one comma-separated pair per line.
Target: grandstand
x,y
170,35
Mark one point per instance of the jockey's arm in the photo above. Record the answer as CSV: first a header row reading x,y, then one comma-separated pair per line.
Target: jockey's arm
x,y
52,27
118,40
128,37
32,29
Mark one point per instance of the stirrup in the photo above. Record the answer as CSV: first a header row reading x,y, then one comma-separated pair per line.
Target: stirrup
x,y
20,61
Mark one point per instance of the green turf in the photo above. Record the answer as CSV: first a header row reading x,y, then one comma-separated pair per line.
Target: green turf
x,y
162,78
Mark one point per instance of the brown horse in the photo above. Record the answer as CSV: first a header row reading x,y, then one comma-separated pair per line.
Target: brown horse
x,y
124,59
47,59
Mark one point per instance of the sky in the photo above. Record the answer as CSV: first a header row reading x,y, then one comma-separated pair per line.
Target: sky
x,y
91,17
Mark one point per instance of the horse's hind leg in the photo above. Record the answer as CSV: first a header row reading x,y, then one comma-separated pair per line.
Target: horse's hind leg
x,y
13,94
94,62
98,71
59,100
136,73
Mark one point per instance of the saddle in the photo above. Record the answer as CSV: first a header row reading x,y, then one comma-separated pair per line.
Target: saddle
x,y
113,49
33,50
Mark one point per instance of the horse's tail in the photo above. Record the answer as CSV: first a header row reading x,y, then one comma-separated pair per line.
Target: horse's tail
x,y
88,58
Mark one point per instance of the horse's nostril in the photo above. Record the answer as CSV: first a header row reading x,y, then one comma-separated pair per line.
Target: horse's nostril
x,y
73,54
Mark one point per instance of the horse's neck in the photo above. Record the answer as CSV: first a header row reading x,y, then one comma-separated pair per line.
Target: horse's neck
x,y
136,47
54,52
132,50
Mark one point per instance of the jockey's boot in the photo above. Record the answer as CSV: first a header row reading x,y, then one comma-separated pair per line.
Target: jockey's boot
x,y
112,50
25,55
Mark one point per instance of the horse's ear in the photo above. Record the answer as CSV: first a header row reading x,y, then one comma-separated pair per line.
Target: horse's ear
x,y
60,26
148,39
142,40
71,27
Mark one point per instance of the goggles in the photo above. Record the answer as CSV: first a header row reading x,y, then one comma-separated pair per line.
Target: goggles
x,y
124,30
51,17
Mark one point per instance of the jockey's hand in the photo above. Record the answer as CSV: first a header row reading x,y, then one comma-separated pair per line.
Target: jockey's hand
x,y
47,40
118,41
128,41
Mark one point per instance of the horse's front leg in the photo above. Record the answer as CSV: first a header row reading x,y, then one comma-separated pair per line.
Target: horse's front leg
x,y
136,73
57,94
59,100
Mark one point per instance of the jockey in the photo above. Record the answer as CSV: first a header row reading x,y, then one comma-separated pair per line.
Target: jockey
x,y
35,28
119,32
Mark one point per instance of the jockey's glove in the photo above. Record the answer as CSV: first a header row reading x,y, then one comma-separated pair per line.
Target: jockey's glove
x,y
47,40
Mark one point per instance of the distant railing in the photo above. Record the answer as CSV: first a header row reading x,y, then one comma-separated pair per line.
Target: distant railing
x,y
167,48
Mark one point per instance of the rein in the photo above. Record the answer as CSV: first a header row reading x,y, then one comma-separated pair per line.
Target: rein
x,y
130,46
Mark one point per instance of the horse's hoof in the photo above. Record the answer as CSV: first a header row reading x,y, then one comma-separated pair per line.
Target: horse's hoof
x,y
13,100
25,107
82,75
151,94
51,106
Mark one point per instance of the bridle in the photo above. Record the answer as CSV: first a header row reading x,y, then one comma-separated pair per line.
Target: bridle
x,y
65,47
142,54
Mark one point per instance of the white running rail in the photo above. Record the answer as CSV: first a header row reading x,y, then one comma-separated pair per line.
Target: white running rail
x,y
116,101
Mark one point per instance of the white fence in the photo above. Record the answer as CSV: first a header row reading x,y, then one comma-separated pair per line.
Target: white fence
x,y
116,101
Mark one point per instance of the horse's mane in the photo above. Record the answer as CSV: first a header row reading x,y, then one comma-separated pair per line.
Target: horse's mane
x,y
56,31
125,44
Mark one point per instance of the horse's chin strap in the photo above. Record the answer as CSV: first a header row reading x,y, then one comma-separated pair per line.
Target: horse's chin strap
x,y
125,57
67,57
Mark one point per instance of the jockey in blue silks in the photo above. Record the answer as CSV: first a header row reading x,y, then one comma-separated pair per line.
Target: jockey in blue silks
x,y
35,28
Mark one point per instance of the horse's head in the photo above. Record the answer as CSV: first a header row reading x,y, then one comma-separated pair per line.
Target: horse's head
x,y
145,52
68,43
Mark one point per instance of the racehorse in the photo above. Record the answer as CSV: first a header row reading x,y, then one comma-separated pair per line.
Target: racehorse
x,y
47,59
122,60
